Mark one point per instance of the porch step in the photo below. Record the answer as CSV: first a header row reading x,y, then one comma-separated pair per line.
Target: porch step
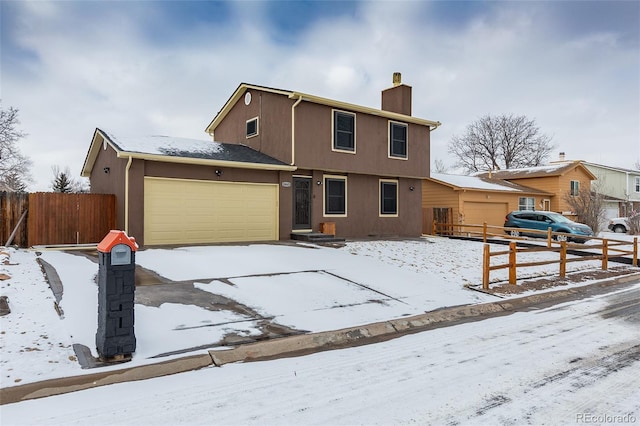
x,y
316,237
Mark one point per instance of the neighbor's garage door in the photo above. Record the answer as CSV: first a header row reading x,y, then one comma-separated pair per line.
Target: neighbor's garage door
x,y
180,211
477,213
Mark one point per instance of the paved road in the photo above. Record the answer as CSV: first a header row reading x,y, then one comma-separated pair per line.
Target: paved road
x,y
577,362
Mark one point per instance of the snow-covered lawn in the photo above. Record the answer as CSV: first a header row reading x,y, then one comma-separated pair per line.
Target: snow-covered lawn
x,y
300,286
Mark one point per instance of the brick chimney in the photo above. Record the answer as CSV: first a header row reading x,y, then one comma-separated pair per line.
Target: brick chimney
x,y
397,98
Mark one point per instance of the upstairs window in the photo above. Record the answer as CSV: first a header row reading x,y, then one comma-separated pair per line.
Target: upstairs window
x,y
388,198
638,184
252,127
397,140
575,187
344,131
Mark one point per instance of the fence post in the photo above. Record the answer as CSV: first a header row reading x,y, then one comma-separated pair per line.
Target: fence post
x,y
486,262
434,228
634,262
512,262
563,259
549,237
605,254
484,232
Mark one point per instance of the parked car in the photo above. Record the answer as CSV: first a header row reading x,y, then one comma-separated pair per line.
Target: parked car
x,y
542,220
619,224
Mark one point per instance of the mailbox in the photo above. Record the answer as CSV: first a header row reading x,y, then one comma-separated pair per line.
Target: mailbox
x,y
115,338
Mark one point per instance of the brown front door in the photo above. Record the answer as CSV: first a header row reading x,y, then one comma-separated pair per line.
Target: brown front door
x,y
301,203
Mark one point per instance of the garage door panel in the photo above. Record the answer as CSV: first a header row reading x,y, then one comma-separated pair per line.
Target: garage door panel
x,y
179,211
476,213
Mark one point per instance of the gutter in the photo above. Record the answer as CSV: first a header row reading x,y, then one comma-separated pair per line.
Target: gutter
x,y
293,129
126,196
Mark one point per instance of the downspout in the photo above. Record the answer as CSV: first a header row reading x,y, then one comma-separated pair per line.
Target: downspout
x,y
126,196
293,130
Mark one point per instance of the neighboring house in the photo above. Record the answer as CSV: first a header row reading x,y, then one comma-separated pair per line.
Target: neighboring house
x,y
562,179
475,200
290,162
621,188
488,196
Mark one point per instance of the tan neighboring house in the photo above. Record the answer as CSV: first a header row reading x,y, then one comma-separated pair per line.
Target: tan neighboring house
x,y
531,188
474,200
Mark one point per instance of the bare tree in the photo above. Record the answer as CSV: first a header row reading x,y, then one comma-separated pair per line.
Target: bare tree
x,y
15,168
500,142
589,207
439,166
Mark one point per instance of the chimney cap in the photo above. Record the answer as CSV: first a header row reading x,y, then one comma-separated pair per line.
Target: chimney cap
x,y
397,79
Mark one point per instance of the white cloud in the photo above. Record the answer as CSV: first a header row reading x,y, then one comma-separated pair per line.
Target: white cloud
x,y
102,67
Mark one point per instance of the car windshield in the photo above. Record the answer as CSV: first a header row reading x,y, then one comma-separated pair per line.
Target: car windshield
x,y
559,218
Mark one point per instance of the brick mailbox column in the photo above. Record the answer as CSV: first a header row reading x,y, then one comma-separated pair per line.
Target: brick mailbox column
x,y
115,338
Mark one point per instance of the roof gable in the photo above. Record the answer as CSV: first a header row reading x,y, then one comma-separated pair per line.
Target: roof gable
x,y
243,87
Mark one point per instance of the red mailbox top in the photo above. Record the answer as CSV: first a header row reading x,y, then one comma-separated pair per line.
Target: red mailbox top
x,y
114,238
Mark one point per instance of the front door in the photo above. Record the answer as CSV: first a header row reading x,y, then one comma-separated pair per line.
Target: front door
x,y
301,203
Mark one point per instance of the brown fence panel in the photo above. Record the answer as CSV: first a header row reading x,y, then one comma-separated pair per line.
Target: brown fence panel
x,y
97,217
58,218
12,206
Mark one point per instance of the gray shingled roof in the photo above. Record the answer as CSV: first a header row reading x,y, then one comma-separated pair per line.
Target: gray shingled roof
x,y
190,148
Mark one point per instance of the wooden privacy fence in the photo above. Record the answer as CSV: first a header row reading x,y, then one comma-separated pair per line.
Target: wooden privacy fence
x,y
608,249
57,218
13,207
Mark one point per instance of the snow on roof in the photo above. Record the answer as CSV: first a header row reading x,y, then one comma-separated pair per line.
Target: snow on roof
x,y
534,171
165,145
474,182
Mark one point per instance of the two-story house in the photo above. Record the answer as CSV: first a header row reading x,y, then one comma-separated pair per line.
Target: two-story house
x,y
286,162
621,187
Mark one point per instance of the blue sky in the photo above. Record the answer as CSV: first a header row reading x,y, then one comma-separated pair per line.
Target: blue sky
x,y
167,67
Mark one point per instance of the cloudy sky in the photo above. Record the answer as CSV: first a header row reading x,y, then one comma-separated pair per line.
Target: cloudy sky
x,y
167,67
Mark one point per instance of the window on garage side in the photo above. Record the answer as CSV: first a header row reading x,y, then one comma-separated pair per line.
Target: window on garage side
x,y
397,140
575,187
526,203
344,131
388,198
335,196
252,127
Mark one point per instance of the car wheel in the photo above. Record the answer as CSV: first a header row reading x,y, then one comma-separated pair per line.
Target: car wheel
x,y
514,233
619,229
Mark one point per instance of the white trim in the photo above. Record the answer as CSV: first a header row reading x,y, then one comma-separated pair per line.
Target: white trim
x,y
324,195
395,157
380,182
333,131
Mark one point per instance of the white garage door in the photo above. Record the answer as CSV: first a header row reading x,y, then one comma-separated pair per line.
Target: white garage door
x,y
477,213
182,211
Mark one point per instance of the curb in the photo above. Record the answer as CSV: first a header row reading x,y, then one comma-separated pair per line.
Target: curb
x,y
310,343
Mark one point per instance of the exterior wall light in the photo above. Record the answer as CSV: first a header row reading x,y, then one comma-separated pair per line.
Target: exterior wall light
x,y
106,170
